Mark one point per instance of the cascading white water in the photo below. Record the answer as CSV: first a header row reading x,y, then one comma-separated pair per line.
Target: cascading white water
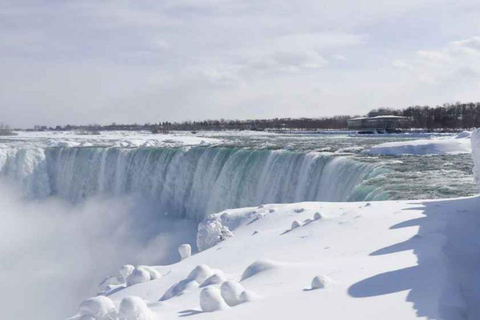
x,y
189,182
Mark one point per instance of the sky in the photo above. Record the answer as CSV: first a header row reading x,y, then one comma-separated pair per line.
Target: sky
x,y
137,61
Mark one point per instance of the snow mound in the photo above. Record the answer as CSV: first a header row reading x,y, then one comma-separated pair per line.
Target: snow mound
x,y
134,308
154,274
317,216
215,279
248,296
476,155
231,292
319,282
423,147
185,251
138,276
98,308
295,224
200,273
257,267
211,300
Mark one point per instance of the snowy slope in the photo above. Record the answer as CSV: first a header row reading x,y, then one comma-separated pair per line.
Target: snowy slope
x,y
435,146
380,260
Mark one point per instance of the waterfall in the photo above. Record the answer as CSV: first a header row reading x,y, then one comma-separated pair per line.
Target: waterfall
x,y
189,182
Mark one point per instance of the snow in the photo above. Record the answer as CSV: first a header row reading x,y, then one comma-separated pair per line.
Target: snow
x,y
138,276
185,251
134,308
434,146
217,278
99,308
231,292
394,259
211,300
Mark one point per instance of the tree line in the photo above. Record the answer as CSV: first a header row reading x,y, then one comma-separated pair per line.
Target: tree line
x,y
446,117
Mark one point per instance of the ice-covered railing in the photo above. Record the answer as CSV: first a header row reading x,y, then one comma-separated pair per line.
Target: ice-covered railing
x,y
189,182
476,155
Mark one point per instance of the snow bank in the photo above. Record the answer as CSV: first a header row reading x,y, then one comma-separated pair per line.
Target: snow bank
x,y
476,155
460,144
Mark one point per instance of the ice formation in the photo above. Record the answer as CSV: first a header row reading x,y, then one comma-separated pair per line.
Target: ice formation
x,y
134,308
200,273
318,282
126,270
317,216
154,274
231,292
211,300
99,308
185,251
295,224
210,233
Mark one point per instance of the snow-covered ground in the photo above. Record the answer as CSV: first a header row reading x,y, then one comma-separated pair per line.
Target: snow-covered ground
x,y
433,146
379,260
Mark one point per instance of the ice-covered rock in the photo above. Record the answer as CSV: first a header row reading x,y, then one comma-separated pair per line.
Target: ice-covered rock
x,y
214,279
138,276
211,300
476,155
134,308
317,216
185,251
154,274
295,224
99,308
231,292
126,270
210,233
258,267
200,273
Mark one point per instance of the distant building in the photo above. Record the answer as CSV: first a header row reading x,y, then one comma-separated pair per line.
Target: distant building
x,y
378,124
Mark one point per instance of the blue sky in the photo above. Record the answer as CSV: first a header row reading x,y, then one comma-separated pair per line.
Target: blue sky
x,y
81,62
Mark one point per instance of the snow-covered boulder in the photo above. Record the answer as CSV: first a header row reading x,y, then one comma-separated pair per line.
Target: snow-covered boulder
x,y
211,232
211,300
476,155
178,289
185,251
231,292
138,276
215,279
98,308
134,308
317,216
258,267
200,273
248,296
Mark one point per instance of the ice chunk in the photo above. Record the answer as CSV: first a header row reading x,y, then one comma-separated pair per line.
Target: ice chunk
x,y
231,292
200,273
211,300
258,267
99,308
138,276
215,279
317,216
134,308
185,251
